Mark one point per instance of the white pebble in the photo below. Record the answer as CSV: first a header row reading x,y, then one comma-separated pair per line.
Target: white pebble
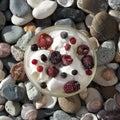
x,y
45,9
65,3
34,3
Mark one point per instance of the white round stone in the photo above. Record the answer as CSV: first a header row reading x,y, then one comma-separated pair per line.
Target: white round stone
x,y
34,3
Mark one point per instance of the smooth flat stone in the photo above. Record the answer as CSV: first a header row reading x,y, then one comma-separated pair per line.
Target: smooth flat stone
x,y
12,33
19,8
45,9
2,20
4,5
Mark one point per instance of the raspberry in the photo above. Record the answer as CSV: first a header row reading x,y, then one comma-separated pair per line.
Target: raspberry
x,y
34,61
87,62
67,47
72,40
71,86
66,60
45,41
52,71
55,57
83,49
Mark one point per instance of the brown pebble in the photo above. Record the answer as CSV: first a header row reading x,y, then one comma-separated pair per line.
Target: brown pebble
x,y
117,99
30,26
104,27
17,71
71,104
117,57
4,50
1,64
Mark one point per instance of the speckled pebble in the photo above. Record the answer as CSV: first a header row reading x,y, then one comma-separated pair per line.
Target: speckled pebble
x,y
13,108
4,5
12,33
19,8
32,92
2,20
114,4
106,52
13,92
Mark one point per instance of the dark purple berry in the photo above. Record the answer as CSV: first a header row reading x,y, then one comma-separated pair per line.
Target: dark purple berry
x,y
63,75
74,72
64,35
83,49
55,57
43,85
43,58
34,47
87,61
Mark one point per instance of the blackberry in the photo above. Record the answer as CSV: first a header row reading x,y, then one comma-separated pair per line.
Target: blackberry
x,y
55,57
43,58
34,47
74,72
63,75
43,85
64,35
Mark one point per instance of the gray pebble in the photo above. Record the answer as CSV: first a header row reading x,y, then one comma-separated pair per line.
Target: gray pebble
x,y
8,15
13,108
2,99
106,52
5,118
19,8
24,40
4,5
114,4
13,92
2,20
66,21
75,14
12,33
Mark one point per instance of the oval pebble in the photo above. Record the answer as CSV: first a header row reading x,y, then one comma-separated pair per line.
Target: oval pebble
x,y
45,9
13,108
114,4
2,20
12,33
19,8
4,50
5,118
13,92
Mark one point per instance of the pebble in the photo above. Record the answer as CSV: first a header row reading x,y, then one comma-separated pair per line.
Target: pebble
x,y
74,14
118,45
44,9
65,3
19,8
17,53
8,15
88,20
29,112
13,108
94,101
33,3
2,20
89,116
4,50
2,99
5,118
114,4
104,26
115,14
71,104
93,6
30,27
67,21
4,5
13,92
32,92
2,107
12,33
22,20
83,94
106,52
2,75
1,64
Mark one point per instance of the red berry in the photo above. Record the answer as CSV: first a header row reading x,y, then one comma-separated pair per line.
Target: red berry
x,y
72,40
45,41
39,68
71,86
88,72
67,47
52,71
83,49
34,61
66,60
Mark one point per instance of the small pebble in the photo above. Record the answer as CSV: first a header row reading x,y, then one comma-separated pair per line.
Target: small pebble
x,y
89,116
65,3
83,94
30,26
12,33
2,107
19,8
88,20
1,64
4,50
115,14
2,20
8,15
13,108
2,75
114,4
71,104
5,118
44,9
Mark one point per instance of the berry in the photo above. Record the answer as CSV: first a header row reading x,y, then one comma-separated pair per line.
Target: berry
x,y
64,35
52,71
74,72
43,58
88,72
71,86
34,61
55,57
72,40
43,85
83,49
39,68
66,60
87,62
34,47
63,75
67,47
45,41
